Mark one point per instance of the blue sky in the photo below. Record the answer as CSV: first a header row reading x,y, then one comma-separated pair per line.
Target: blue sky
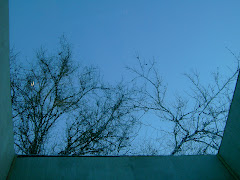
x,y
180,35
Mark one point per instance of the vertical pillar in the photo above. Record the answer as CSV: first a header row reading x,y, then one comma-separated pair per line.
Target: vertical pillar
x,y
6,126
229,151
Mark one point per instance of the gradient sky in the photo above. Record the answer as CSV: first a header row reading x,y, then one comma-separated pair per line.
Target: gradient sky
x,y
180,35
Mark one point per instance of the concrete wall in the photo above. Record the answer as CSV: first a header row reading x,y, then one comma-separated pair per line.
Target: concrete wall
x,y
230,146
6,131
110,168
161,167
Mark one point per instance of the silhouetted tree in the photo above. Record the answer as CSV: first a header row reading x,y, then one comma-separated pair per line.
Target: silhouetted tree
x,y
99,117
197,120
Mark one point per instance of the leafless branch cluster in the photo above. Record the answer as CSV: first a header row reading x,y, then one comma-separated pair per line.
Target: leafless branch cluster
x,y
104,128
198,120
100,118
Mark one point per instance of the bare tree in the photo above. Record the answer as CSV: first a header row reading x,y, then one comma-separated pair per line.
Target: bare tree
x,y
100,117
197,120
104,129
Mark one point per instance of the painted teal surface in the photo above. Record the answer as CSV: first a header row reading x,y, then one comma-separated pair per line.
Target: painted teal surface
x,y
160,167
6,129
110,168
230,146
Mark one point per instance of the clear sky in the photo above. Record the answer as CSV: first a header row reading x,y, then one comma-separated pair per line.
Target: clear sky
x,y
180,35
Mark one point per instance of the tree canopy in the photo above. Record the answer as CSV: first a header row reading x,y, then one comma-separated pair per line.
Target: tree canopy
x,y
103,119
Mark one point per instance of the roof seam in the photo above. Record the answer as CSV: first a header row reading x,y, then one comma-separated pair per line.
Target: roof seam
x,y
230,170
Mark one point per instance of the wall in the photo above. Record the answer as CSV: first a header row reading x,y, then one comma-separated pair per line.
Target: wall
x,y
230,146
110,168
6,131
161,167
